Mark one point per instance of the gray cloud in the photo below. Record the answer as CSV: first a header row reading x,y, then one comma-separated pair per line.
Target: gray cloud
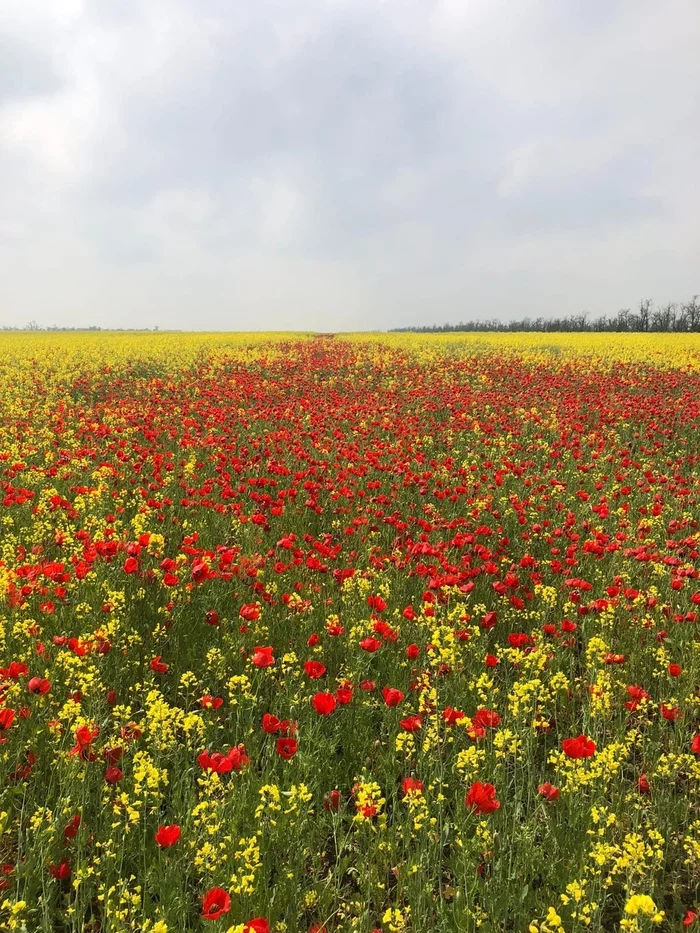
x,y
341,164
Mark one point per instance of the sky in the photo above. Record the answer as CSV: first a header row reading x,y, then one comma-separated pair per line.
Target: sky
x,y
347,164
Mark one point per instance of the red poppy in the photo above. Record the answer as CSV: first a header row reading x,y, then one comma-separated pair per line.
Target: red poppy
x,y
675,670
490,660
331,800
215,903
412,652
38,685
61,872
210,702
452,716
481,798
7,717
670,713
212,617
411,785
257,925
486,717
314,669
689,919
370,644
113,774
580,747
286,747
324,703
167,835
548,791
235,759
376,603
343,695
411,723
643,785
392,696
158,666
250,613
71,830
271,724
262,656
695,744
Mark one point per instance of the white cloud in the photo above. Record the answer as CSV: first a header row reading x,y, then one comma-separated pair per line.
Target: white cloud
x,y
345,163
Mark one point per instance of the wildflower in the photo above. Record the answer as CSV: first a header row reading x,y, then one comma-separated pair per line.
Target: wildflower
x,y
481,798
548,791
215,903
262,657
411,785
581,747
324,703
286,748
314,669
38,686
392,696
167,835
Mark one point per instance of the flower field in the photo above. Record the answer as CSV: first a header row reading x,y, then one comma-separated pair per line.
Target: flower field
x,y
349,633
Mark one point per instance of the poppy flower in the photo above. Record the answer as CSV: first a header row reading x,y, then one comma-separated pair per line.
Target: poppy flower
x,y
548,791
210,702
689,919
344,695
452,716
368,685
72,827
481,798
695,744
212,617
411,785
670,713
486,717
490,660
324,703
331,800
262,656
376,603
643,784
675,670
7,717
370,644
257,925
411,723
113,774
314,669
38,686
580,747
61,872
286,747
250,613
167,835
392,696
271,724
234,760
158,666
215,903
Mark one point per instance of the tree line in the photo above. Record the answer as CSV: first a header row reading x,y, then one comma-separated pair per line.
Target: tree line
x,y
670,318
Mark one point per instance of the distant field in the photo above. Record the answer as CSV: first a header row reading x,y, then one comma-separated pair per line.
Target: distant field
x,y
371,632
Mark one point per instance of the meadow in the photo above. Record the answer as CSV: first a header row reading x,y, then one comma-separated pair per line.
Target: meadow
x,y
349,633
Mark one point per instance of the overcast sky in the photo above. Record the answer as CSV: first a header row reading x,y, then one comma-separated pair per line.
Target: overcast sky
x,y
347,164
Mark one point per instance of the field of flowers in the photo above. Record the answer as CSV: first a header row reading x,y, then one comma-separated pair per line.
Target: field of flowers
x,y
374,633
